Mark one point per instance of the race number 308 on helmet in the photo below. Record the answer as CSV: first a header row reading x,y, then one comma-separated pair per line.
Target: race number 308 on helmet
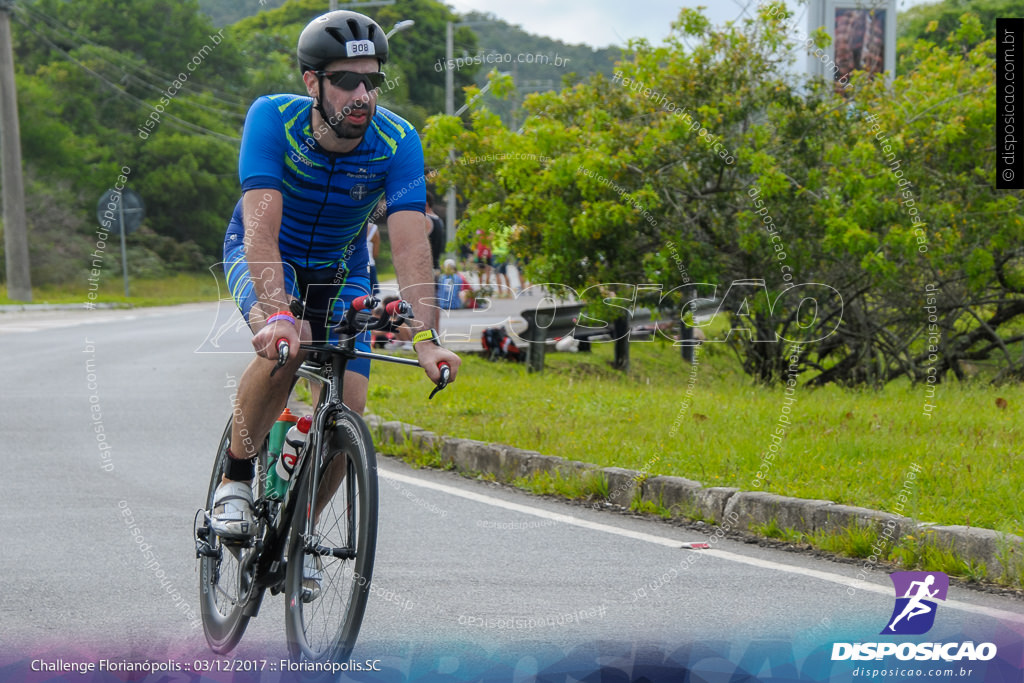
x,y
340,34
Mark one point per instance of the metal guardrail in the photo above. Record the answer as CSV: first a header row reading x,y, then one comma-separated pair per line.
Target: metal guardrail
x,y
553,322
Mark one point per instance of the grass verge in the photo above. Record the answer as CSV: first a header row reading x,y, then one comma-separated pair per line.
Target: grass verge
x,y
853,447
179,289
911,552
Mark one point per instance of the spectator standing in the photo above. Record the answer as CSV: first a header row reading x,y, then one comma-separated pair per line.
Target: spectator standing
x,y
484,257
452,288
436,233
373,246
501,259
520,259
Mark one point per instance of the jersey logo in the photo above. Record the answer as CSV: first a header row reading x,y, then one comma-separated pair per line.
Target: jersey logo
x,y
358,192
301,159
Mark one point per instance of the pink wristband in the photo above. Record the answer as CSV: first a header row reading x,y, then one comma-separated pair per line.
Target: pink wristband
x,y
283,315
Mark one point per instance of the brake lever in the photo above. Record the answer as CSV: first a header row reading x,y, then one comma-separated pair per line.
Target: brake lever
x,y
446,372
283,352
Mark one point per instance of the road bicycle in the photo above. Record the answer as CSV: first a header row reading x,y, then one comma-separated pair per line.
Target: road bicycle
x,y
328,515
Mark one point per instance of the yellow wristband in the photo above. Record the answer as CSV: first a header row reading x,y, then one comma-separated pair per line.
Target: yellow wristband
x,y
425,335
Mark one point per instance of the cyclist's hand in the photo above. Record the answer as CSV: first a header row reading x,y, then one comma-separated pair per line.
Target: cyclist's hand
x,y
430,355
265,341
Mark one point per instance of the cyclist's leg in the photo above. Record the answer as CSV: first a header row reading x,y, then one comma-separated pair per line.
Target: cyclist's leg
x,y
231,514
357,376
261,397
323,295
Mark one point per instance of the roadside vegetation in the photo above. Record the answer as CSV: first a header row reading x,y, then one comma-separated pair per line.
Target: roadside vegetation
x,y
850,446
182,288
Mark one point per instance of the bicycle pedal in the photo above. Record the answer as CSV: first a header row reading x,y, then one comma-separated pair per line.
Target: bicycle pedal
x,y
204,549
203,535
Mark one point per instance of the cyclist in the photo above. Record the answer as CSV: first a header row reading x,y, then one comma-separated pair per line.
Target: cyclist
x,y
312,170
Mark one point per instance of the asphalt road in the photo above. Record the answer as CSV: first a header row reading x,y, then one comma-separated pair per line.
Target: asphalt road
x,y
468,573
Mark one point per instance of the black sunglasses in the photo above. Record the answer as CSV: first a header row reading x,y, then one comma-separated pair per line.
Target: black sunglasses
x,y
350,80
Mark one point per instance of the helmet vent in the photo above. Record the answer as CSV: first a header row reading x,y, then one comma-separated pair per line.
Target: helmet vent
x,y
353,28
337,34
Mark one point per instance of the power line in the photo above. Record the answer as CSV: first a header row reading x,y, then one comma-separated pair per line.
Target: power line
x,y
124,63
127,63
113,86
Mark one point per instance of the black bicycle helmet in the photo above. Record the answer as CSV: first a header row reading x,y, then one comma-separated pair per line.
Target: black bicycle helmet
x,y
340,34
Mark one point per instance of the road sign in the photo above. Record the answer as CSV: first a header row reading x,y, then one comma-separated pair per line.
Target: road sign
x,y
114,203
117,207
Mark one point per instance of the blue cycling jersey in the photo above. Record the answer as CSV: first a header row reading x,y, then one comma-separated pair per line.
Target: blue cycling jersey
x,y
327,196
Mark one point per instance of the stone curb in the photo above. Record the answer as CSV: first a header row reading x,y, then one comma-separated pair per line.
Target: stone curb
x,y
739,510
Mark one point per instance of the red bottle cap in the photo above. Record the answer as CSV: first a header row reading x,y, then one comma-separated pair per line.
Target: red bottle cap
x,y
304,424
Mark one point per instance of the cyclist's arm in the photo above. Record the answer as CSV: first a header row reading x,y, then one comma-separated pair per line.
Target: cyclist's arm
x,y
262,214
261,210
411,255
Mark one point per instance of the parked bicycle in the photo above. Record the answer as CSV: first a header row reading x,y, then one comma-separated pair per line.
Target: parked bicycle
x,y
316,543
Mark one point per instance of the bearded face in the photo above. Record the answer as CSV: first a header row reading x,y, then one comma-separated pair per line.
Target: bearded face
x,y
346,112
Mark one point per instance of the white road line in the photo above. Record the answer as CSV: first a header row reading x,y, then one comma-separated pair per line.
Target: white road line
x,y
672,543
53,324
19,329
77,320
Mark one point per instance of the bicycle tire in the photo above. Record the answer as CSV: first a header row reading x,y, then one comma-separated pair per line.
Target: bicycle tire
x,y
326,627
224,620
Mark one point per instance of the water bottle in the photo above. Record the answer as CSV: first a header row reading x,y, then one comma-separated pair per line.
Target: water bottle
x,y
294,441
275,487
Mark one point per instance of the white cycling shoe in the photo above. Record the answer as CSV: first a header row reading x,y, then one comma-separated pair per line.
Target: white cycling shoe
x,y
232,516
312,574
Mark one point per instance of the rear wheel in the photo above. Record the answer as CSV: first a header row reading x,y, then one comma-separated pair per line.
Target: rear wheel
x,y
226,570
334,530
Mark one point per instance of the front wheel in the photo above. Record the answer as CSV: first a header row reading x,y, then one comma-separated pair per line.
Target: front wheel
x,y
333,537
225,570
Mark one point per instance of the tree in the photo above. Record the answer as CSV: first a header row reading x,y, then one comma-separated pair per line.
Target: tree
x,y
630,194
537,63
190,186
165,35
226,12
82,105
703,161
268,42
940,21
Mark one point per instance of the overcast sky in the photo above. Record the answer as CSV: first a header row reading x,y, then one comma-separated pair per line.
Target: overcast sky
x,y
600,23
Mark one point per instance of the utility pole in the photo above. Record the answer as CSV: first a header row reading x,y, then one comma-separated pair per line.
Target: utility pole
x,y
19,284
449,109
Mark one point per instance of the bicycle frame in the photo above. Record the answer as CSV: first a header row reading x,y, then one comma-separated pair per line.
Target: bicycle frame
x,y
331,401
275,557
327,368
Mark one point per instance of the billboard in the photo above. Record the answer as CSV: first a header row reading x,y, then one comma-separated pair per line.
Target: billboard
x,y
863,37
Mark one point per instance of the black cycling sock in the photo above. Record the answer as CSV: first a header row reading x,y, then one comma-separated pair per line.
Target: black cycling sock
x,y
239,469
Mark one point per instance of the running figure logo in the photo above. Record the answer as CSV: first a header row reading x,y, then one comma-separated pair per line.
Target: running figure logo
x,y
916,593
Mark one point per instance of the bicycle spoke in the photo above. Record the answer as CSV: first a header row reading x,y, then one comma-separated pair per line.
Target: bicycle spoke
x,y
332,531
345,513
